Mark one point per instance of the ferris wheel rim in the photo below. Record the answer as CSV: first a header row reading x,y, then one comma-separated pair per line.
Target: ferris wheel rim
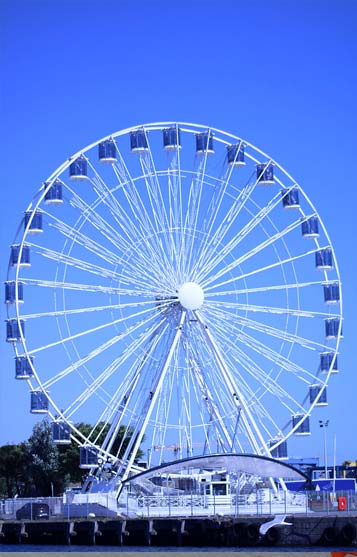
x,y
160,126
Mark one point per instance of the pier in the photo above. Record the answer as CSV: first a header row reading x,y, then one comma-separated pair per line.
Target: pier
x,y
307,531
318,520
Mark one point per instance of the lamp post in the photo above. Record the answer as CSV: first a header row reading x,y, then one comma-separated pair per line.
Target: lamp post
x,y
324,424
334,462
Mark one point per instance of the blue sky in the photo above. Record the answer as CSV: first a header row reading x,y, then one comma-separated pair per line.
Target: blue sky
x,y
280,74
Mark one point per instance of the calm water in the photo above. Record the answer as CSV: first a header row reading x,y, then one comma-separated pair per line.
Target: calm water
x,y
127,549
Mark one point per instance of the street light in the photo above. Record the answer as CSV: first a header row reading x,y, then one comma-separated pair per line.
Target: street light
x,y
324,424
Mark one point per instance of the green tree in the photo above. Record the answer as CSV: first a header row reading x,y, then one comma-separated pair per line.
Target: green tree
x,y
69,454
39,467
43,461
13,465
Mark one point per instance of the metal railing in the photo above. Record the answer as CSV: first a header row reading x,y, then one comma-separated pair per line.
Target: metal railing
x,y
105,505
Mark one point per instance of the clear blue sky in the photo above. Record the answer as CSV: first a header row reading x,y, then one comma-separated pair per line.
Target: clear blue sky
x,y
281,74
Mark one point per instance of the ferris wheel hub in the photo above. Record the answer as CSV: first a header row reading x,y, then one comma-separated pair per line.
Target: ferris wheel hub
x,y
191,295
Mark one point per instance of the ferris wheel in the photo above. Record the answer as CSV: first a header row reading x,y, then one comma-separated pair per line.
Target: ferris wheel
x,y
174,283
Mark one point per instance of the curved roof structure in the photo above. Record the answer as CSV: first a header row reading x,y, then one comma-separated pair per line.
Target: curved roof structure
x,y
258,465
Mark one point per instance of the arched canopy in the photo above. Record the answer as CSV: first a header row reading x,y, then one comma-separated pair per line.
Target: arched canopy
x,y
256,465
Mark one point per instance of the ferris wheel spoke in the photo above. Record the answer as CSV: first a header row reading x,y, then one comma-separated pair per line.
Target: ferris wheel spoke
x,y
81,362
256,250
221,330
118,406
145,389
75,262
157,382
158,226
284,363
219,192
261,269
82,239
263,416
128,382
211,375
125,246
270,386
98,222
276,332
86,287
224,437
264,350
106,374
262,378
121,217
86,310
89,267
133,198
174,397
130,385
141,264
243,233
174,187
137,391
61,341
193,208
253,402
270,309
253,432
210,261
157,201
213,239
264,289
138,209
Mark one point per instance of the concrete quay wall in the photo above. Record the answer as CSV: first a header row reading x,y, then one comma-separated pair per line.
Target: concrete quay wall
x,y
297,530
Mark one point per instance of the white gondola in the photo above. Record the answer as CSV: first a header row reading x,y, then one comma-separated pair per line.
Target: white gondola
x,y
11,296
332,328
290,198
235,154
23,367
39,402
16,259
172,138
204,143
13,330
265,174
304,427
332,293
323,259
138,142
33,222
61,432
78,169
88,456
328,361
53,195
107,152
318,392
310,227
280,451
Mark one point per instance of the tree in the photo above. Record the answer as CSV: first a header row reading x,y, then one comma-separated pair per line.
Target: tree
x,y
69,454
43,460
39,467
13,463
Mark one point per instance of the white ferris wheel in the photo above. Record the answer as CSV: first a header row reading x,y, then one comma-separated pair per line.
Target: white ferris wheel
x,y
173,281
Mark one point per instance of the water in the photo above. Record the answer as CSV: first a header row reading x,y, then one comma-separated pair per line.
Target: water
x,y
27,548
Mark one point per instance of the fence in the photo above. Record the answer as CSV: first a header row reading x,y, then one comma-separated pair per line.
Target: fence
x,y
104,505
57,508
